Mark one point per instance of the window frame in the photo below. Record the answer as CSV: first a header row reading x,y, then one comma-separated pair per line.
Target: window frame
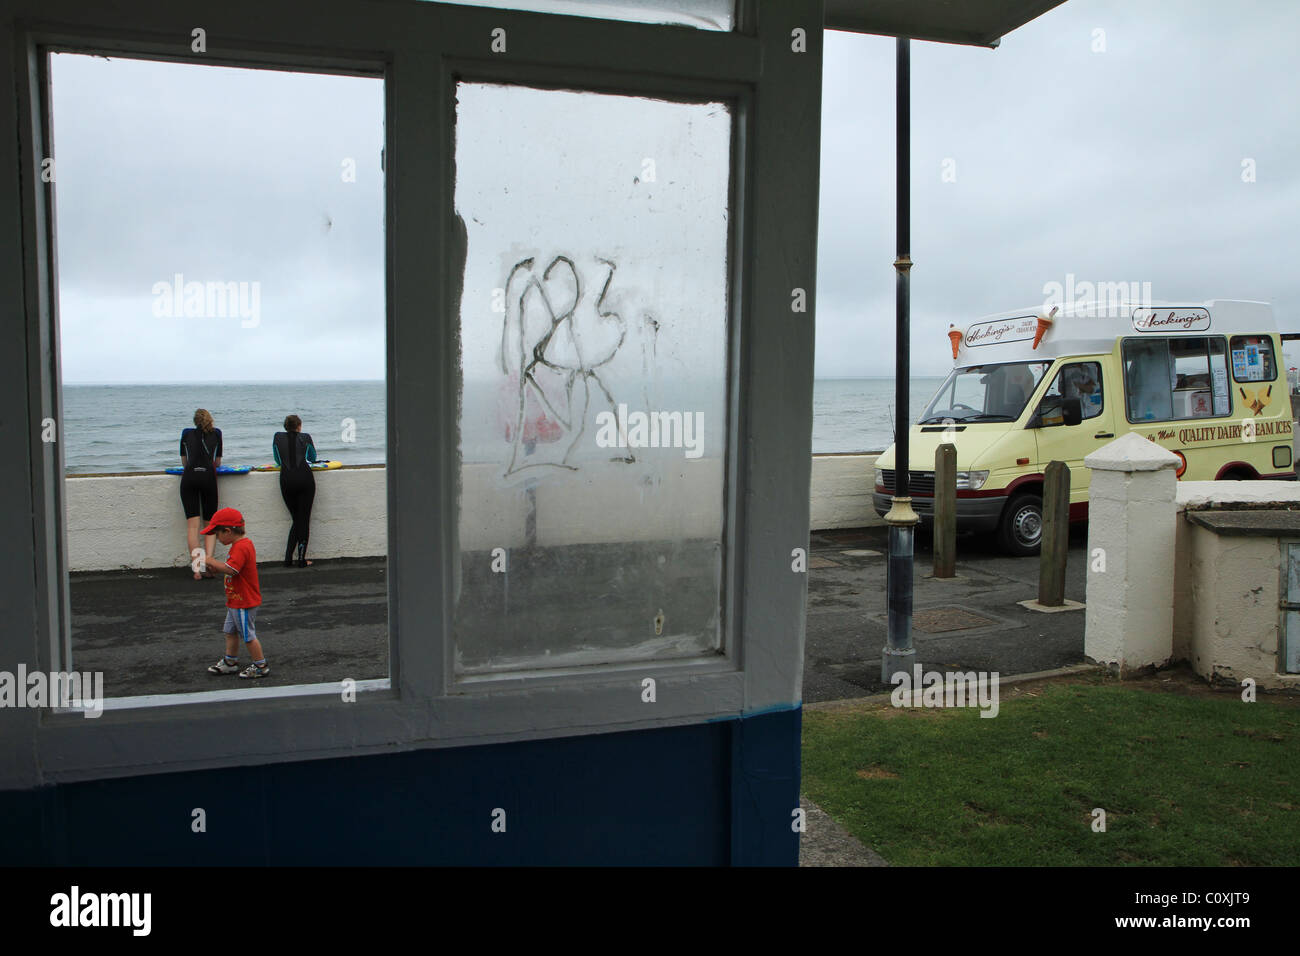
x,y
951,384
1101,385
1272,355
418,47
1207,337
739,100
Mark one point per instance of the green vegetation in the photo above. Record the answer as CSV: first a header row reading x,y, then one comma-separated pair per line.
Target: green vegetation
x,y
1185,778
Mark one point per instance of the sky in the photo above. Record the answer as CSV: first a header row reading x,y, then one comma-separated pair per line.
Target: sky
x,y
220,176
1112,156
1106,141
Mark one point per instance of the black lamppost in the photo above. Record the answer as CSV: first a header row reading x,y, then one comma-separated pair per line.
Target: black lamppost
x,y
899,654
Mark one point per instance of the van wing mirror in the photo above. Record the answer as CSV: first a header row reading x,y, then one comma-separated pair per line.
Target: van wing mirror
x,y
1072,411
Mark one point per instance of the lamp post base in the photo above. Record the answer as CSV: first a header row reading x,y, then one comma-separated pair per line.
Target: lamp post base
x,y
899,654
894,661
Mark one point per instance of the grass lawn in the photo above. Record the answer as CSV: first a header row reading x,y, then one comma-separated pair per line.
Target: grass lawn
x,y
1187,776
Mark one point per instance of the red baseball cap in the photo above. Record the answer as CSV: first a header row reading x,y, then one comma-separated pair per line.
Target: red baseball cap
x,y
225,518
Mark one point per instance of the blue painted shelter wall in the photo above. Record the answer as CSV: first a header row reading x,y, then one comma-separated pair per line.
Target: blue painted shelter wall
x,y
706,794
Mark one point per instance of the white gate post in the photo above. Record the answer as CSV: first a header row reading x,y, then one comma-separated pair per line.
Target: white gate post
x,y
1130,608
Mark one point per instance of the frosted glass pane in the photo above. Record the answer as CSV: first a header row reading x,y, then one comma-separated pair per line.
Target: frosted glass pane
x,y
702,14
594,356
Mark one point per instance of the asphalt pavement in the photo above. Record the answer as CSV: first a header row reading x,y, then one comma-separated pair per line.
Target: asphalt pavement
x,y
156,631
969,622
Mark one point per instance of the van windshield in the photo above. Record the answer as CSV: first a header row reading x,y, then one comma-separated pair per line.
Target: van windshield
x,y
985,393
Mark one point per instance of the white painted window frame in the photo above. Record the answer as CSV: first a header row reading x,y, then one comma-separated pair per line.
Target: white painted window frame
x,y
419,48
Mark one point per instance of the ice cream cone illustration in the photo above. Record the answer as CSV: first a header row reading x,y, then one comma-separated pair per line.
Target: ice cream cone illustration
x,y
1258,401
1045,322
954,335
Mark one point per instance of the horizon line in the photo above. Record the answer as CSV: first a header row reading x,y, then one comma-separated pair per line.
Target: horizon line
x,y
361,381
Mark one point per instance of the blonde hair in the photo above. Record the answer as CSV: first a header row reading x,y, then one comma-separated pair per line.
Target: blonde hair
x,y
203,419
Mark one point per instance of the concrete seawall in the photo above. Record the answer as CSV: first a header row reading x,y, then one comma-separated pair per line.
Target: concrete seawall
x,y
840,492
136,521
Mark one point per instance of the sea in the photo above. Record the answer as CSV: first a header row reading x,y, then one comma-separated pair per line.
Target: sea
x,y
135,428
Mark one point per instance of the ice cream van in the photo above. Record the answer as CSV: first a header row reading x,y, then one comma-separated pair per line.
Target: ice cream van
x,y
1204,380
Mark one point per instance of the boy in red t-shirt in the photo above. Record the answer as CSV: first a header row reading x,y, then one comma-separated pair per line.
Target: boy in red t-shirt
x,y
243,596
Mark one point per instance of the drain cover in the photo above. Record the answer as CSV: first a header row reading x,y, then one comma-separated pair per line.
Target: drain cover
x,y
938,619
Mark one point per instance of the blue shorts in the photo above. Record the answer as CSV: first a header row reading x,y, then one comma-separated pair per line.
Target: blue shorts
x,y
239,621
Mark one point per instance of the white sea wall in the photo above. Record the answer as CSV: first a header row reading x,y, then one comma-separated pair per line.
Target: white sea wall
x,y
841,492
136,521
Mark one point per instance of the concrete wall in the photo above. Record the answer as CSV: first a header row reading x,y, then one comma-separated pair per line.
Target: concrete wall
x,y
1226,617
841,492
1235,631
137,522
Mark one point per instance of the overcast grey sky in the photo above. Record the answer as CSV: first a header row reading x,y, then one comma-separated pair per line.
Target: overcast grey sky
x,y
1113,157
219,175
1115,166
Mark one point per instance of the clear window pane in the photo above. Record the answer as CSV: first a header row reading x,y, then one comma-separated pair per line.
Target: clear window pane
x,y
594,361
968,391
1191,364
1079,380
236,270
985,392
1174,379
1147,375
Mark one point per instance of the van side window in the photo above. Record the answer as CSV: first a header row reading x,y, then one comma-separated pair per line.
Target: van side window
x,y
1175,378
1147,380
1081,380
1252,359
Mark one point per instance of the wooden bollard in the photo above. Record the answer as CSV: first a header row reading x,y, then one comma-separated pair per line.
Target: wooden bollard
x,y
1056,535
945,511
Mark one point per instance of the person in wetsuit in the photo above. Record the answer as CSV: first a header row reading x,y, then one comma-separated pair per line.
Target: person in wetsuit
x,y
200,456
294,452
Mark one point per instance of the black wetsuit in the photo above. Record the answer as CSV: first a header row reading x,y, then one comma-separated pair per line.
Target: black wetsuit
x,y
293,450
199,480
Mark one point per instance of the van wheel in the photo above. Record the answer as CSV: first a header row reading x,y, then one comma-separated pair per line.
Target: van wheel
x,y
1021,528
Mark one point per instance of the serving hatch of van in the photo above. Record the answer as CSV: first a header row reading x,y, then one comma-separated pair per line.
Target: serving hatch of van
x,y
1032,386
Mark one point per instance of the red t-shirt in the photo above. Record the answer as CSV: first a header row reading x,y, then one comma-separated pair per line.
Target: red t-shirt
x,y
241,586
